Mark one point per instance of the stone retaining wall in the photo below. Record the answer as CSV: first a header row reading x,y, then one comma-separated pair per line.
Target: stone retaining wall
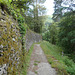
x,y
32,37
11,52
10,45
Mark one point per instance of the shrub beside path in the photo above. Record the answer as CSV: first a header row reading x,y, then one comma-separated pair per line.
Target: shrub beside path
x,y
39,64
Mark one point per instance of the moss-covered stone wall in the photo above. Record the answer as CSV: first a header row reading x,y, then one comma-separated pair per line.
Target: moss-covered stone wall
x,y
10,45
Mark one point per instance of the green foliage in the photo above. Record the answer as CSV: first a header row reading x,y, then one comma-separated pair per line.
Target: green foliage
x,y
21,4
38,25
35,64
21,24
67,33
57,10
70,66
63,64
7,7
34,24
51,33
16,15
27,60
71,70
61,7
34,17
46,36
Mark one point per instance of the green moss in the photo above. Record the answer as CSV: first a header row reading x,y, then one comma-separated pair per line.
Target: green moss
x,y
17,27
4,36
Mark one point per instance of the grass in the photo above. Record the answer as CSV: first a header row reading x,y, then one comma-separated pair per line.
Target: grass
x,y
62,64
37,61
35,64
35,72
27,60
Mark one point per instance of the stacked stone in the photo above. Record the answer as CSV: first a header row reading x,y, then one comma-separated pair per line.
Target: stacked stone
x,y
11,53
32,37
10,45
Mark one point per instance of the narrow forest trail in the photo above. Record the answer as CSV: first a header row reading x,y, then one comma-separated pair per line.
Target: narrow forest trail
x,y
39,64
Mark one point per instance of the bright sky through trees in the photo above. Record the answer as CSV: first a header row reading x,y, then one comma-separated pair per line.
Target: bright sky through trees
x,y
49,6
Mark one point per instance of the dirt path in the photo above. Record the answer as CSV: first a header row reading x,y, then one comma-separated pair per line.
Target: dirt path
x,y
39,64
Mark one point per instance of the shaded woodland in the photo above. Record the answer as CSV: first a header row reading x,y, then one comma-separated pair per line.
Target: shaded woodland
x,y
58,28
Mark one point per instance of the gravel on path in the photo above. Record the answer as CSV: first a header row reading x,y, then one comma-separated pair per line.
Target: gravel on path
x,y
39,64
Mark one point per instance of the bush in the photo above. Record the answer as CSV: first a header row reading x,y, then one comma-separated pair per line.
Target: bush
x,y
67,33
53,29
68,62
51,33
71,70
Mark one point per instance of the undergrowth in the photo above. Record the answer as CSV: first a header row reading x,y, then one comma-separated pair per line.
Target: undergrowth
x,y
27,60
62,64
